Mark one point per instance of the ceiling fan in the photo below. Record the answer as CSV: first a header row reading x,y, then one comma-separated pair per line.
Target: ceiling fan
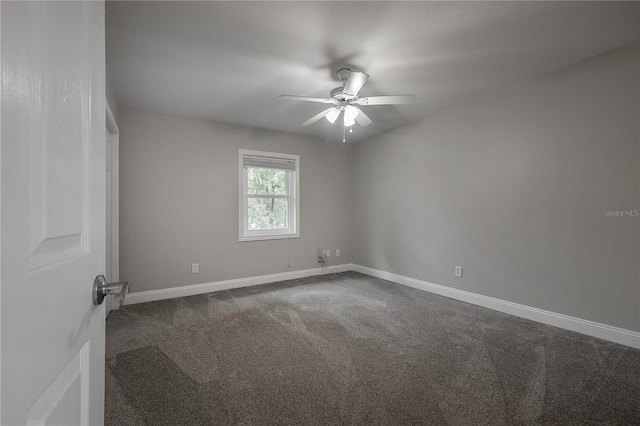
x,y
345,100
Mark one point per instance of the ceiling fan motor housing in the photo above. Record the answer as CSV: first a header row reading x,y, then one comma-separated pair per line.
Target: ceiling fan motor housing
x,y
338,95
335,93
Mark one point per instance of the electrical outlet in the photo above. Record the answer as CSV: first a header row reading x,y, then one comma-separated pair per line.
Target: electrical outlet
x,y
458,271
195,268
328,252
337,252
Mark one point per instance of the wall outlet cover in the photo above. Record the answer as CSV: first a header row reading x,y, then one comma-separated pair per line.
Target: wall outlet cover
x,y
195,268
458,271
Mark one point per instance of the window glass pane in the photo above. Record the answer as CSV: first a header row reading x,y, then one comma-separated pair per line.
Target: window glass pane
x,y
266,181
267,213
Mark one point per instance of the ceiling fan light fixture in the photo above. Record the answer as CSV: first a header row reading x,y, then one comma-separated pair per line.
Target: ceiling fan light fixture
x,y
350,114
346,99
332,115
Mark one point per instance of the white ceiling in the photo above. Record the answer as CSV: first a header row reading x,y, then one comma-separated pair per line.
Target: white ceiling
x,y
229,61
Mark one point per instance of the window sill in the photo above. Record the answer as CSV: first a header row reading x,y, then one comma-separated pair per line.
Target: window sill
x,y
268,237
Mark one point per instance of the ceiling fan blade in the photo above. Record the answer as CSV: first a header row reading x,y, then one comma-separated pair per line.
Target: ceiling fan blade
x,y
355,82
306,99
387,100
362,118
317,117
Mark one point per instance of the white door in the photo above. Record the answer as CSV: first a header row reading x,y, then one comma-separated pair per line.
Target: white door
x,y
53,212
109,249
109,264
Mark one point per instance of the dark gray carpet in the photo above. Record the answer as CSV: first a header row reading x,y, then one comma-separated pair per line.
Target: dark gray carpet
x,y
356,350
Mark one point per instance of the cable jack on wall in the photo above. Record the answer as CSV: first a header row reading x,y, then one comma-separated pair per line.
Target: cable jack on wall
x,y
321,258
324,262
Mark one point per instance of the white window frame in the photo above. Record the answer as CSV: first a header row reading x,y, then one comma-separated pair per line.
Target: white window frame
x,y
293,198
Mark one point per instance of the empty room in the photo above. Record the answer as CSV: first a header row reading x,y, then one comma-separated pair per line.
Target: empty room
x,y
320,213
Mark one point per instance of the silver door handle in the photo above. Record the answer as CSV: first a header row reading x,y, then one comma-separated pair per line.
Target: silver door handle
x,y
101,289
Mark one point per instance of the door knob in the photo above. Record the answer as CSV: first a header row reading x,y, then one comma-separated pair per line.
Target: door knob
x,y
101,289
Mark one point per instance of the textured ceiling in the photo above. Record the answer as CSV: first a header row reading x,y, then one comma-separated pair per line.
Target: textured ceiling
x,y
229,61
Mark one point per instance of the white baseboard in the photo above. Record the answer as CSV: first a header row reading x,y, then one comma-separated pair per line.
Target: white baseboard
x,y
590,328
192,290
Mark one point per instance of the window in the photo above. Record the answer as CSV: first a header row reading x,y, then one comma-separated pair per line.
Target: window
x,y
269,201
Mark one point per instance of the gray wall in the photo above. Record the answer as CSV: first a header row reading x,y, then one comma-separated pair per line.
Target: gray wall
x,y
513,187
179,201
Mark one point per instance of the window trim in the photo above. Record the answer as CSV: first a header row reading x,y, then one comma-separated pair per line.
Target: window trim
x,y
244,234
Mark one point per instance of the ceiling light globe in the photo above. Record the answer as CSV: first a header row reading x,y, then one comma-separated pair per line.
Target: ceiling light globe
x,y
350,113
333,115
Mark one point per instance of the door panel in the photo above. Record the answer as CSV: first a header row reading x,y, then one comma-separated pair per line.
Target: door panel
x,y
65,402
58,139
53,212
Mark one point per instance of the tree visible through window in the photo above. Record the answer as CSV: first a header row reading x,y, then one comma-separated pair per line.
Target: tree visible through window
x,y
267,198
268,195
